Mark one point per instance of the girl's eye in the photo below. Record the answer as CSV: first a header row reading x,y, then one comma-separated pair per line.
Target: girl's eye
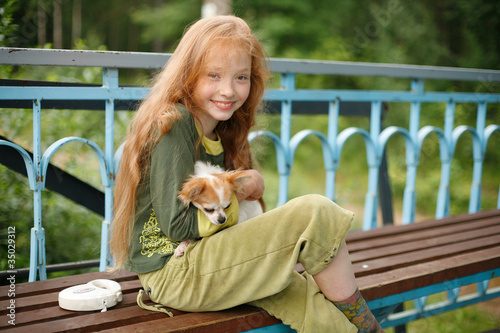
x,y
214,75
243,77
209,210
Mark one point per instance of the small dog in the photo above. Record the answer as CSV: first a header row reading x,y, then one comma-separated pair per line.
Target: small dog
x,y
210,189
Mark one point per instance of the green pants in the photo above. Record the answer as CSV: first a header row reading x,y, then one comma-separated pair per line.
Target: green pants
x,y
253,262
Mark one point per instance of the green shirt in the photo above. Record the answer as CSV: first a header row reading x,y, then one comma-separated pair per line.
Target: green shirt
x,y
161,220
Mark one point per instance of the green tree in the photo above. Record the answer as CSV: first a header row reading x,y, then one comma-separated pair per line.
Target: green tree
x,y
7,25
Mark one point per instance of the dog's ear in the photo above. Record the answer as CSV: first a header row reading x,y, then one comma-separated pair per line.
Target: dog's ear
x,y
191,190
237,179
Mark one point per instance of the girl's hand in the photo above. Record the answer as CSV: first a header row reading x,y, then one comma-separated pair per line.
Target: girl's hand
x,y
254,189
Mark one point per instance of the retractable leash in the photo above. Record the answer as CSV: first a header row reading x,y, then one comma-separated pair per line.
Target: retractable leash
x,y
99,294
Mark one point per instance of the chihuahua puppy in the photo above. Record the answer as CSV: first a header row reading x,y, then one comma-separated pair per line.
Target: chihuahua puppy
x,y
210,189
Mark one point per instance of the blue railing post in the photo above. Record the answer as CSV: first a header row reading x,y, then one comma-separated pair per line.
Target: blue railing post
x,y
37,250
110,82
371,199
287,84
410,195
333,129
477,172
478,156
446,155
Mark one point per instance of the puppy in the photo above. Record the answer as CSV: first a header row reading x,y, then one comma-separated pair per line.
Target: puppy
x,y
210,189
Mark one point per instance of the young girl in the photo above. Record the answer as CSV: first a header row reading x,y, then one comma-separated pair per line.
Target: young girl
x,y
201,107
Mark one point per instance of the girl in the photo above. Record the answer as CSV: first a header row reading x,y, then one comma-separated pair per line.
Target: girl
x,y
201,107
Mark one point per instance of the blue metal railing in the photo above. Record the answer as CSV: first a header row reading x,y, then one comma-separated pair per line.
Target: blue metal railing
x,y
332,142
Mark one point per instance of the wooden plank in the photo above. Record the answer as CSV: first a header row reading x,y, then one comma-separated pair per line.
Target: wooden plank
x,y
400,229
417,276
379,265
93,321
50,298
420,244
46,308
58,284
46,315
54,312
242,318
421,234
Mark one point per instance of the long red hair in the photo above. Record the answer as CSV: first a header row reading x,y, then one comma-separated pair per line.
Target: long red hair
x,y
158,113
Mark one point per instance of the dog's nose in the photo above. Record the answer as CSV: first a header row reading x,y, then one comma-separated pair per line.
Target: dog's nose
x,y
222,220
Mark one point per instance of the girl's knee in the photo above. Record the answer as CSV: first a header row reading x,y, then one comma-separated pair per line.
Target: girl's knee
x,y
320,209
313,202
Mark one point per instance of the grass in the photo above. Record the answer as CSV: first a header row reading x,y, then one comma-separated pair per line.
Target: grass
x,y
475,318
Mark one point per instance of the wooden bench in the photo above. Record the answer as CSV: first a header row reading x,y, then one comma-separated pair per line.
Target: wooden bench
x,y
390,263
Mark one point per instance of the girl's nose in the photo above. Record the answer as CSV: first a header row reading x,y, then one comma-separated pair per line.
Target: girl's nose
x,y
226,88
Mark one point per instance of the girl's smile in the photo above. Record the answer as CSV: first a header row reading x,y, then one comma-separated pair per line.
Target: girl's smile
x,y
223,87
225,106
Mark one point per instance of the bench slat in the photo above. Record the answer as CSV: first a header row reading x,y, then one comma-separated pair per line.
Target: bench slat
x,y
434,242
58,284
420,234
53,312
425,274
239,319
410,259
424,225
93,321
33,302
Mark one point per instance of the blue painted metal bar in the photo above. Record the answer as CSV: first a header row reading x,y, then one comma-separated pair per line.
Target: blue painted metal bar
x,y
37,253
490,129
378,306
371,198
110,81
278,328
113,59
369,96
28,162
137,93
409,198
73,93
410,195
446,152
288,84
373,160
332,166
478,154
383,307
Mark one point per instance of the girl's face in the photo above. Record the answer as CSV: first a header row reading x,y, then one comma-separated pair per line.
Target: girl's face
x,y
223,87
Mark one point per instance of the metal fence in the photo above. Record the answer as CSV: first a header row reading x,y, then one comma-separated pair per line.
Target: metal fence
x,y
111,94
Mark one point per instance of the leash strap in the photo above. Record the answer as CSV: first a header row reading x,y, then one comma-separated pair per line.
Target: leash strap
x,y
155,308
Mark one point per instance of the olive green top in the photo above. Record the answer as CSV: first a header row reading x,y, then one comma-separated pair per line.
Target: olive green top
x,y
161,220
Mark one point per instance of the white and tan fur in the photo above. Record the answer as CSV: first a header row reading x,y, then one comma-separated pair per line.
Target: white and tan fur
x,y
210,189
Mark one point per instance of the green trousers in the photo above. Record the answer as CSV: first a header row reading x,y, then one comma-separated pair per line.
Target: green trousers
x,y
253,262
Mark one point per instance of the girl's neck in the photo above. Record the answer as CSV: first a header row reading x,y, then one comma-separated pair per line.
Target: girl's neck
x,y
208,129
212,135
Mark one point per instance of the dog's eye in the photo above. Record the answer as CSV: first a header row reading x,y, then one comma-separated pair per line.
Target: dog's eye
x,y
227,206
209,210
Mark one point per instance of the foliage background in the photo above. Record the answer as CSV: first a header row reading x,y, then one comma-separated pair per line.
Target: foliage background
x,y
448,33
